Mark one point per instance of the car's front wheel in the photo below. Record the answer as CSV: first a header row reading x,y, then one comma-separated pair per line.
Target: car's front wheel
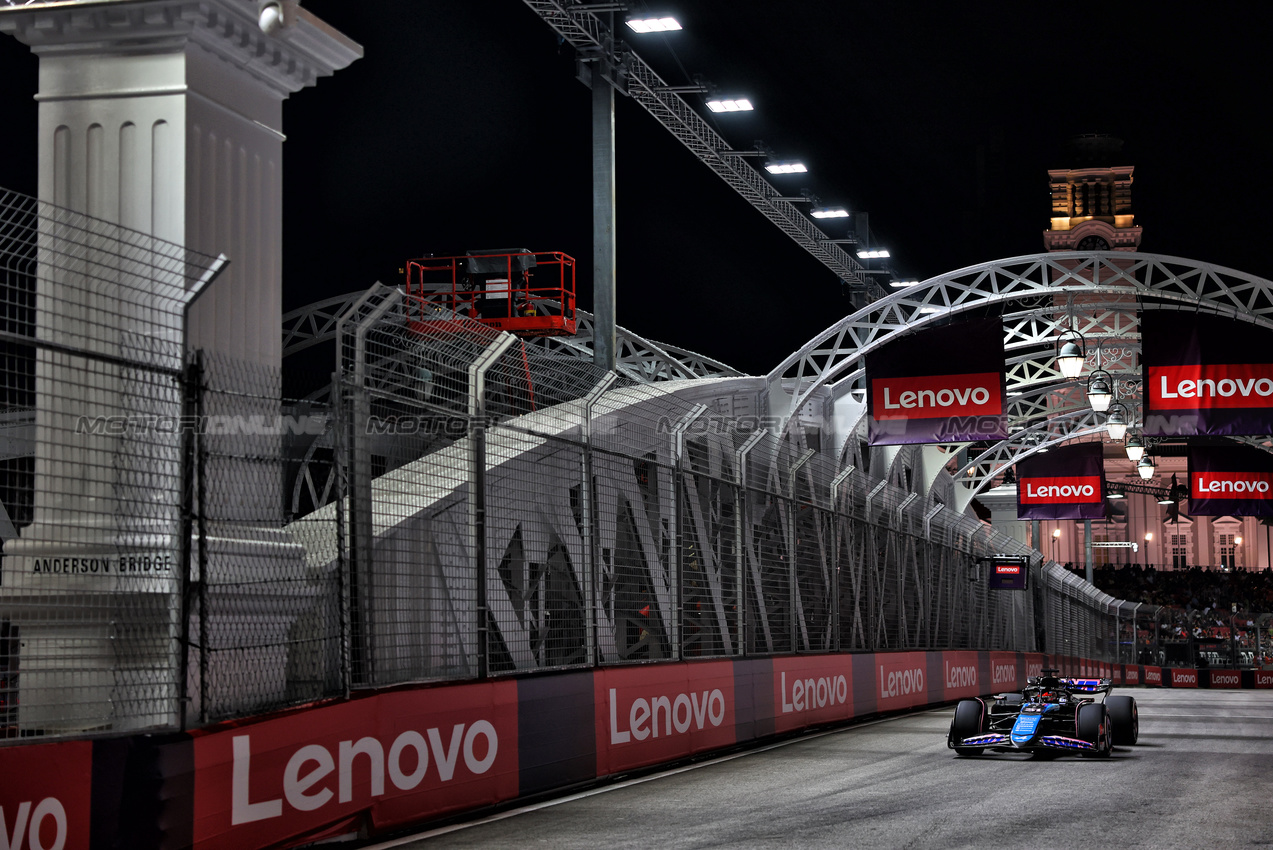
x,y
1094,727
970,721
1124,720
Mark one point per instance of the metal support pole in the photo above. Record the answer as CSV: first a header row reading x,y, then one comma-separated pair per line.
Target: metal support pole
x,y
603,214
361,524
477,479
1087,549
740,522
799,631
835,531
678,523
589,522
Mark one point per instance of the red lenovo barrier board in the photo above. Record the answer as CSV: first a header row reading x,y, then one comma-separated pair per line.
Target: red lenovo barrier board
x,y
1226,679
1184,678
1153,675
1131,674
393,759
1004,673
45,796
960,675
1264,678
814,689
1034,663
901,680
658,713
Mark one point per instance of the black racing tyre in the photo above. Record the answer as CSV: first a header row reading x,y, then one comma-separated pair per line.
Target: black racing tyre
x,y
1094,727
1124,720
970,720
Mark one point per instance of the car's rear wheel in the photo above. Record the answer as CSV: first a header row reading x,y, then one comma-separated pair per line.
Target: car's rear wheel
x,y
1124,720
1094,727
970,721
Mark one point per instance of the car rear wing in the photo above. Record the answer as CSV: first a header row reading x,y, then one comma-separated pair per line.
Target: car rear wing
x,y
1088,686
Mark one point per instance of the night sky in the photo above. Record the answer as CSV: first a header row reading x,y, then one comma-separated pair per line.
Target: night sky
x,y
463,127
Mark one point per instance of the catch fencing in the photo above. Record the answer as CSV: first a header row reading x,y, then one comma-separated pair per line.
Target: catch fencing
x,y
183,545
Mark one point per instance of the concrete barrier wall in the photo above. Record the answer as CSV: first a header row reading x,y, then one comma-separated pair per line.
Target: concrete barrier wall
x,y
387,760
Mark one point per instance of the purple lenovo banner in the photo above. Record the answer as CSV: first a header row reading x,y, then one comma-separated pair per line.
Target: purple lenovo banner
x,y
909,402
1230,481
1205,374
1065,483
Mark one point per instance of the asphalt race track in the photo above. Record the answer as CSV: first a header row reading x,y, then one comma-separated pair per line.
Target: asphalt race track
x,y
1201,777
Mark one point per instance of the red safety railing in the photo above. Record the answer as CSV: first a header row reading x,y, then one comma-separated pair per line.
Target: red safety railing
x,y
522,292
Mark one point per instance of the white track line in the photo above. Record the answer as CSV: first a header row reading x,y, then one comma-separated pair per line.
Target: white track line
x,y
627,783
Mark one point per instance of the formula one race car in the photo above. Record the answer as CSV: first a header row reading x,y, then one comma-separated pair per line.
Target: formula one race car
x,y
1051,715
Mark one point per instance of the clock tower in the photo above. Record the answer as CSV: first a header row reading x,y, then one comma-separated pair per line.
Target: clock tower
x,y
1092,203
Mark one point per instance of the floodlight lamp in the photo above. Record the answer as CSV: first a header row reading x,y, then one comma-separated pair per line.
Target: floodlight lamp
x,y
901,283
830,212
786,168
1135,448
730,105
1146,468
644,25
1100,391
878,254
1116,494
1056,532
271,17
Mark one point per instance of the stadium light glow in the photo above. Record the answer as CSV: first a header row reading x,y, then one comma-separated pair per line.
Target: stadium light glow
x,y
830,212
740,104
878,254
786,168
644,25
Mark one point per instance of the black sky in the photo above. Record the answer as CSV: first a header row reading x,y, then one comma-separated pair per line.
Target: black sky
x,y
463,127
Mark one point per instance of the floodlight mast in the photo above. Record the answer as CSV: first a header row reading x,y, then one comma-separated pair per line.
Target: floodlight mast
x,y
588,34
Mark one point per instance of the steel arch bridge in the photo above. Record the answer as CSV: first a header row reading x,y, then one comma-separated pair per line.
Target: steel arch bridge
x,y
1038,297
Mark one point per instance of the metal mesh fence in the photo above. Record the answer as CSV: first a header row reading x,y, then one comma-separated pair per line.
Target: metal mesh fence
x,y
91,476
183,545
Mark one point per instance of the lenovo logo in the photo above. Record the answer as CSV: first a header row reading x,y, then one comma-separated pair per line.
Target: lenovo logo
x,y
1153,676
937,396
1198,386
29,825
679,714
1250,484
1264,678
1132,676
1184,677
1003,674
960,677
307,781
1033,669
1225,679
1056,490
807,694
901,683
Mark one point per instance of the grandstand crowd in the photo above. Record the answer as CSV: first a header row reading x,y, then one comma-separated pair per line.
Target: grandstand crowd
x,y
1202,589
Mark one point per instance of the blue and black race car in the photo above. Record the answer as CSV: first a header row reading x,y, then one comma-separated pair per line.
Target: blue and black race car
x,y
1051,715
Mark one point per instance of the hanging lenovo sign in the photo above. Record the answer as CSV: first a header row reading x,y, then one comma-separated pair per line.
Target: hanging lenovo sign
x,y
907,403
1205,374
1065,483
1230,481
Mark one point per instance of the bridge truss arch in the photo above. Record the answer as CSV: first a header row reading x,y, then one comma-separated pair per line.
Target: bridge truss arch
x,y
1038,297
